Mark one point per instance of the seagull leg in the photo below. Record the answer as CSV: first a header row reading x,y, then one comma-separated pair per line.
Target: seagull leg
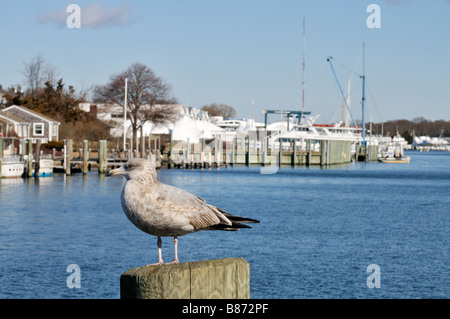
x,y
175,242
160,260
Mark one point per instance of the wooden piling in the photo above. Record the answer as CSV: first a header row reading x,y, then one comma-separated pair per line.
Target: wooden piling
x,y
227,278
308,148
68,156
102,160
30,158
37,158
294,153
85,157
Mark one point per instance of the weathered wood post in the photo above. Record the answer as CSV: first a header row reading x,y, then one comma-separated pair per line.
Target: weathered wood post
x,y
227,278
202,152
68,156
169,156
30,158
85,157
308,149
187,158
216,150
233,151
280,153
220,151
37,158
209,158
294,152
250,151
247,149
264,148
22,147
102,162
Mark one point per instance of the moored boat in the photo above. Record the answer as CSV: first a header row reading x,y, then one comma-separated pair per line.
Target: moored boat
x,y
45,168
393,153
399,160
12,167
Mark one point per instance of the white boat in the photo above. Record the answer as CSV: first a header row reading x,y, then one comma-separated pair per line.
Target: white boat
x,y
394,160
12,163
393,153
45,168
12,167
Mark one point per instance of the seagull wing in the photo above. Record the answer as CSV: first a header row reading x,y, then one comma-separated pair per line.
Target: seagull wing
x,y
200,214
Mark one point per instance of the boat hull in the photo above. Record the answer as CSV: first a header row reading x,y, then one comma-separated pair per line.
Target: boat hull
x,y
45,168
12,169
390,160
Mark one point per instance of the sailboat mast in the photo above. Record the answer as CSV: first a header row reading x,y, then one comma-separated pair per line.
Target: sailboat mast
x,y
125,116
363,99
303,71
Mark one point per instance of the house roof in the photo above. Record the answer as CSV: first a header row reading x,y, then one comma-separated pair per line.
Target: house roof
x,y
12,118
3,117
26,110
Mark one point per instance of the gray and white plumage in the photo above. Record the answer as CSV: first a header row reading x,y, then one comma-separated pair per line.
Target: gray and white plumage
x,y
166,211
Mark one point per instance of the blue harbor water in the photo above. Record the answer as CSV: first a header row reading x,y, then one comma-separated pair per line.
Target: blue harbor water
x,y
320,229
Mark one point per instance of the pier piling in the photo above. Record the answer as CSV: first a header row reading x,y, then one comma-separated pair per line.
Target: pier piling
x,y
102,160
37,158
85,157
68,157
227,278
30,158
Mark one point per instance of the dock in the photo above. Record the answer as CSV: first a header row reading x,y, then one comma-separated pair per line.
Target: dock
x,y
243,150
313,153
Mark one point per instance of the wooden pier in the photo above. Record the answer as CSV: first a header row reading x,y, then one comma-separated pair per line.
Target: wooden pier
x,y
243,150
85,159
327,153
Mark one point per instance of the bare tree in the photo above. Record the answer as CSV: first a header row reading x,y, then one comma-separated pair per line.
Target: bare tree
x,y
37,72
33,73
148,97
223,110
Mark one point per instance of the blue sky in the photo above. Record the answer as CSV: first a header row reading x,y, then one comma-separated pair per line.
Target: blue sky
x,y
237,50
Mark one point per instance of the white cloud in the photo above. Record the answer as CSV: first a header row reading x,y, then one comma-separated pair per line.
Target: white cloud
x,y
93,16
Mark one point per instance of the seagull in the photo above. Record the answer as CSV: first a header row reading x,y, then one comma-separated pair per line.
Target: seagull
x,y
166,211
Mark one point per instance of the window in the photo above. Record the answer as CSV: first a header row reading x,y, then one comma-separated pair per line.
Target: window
x,y
38,129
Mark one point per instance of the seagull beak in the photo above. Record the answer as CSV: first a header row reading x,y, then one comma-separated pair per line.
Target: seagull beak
x,y
114,172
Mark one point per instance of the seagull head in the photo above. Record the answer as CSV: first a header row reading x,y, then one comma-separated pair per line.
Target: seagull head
x,y
136,169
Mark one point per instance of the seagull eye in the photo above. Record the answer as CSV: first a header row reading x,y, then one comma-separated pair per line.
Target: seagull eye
x,y
129,167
